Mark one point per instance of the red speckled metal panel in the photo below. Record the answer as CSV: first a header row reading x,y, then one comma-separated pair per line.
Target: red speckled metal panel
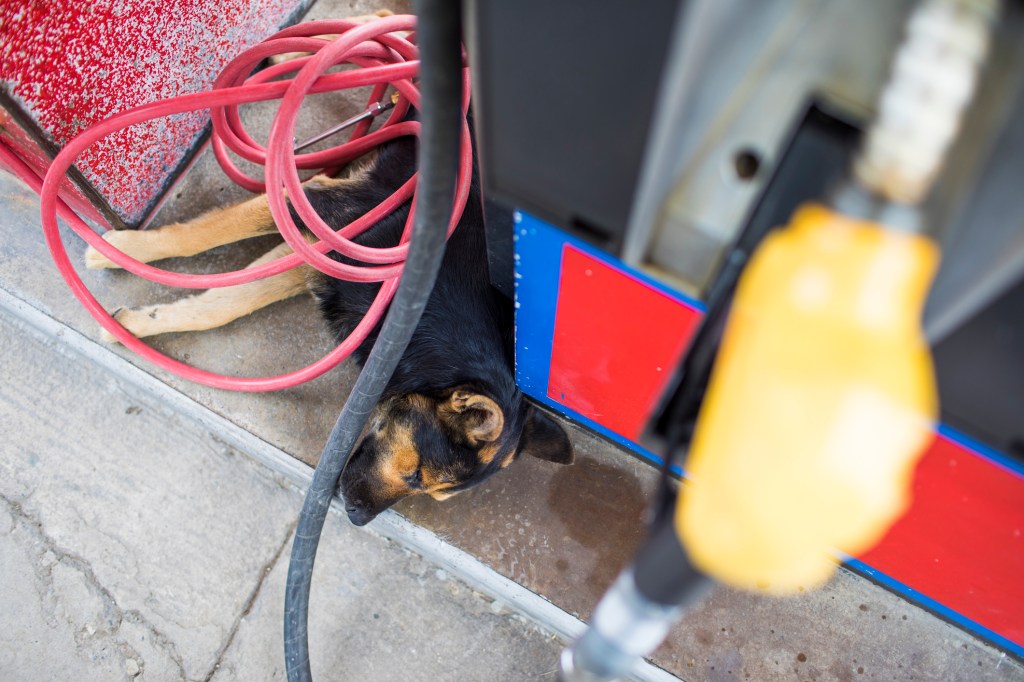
x,y
14,137
69,64
962,543
617,341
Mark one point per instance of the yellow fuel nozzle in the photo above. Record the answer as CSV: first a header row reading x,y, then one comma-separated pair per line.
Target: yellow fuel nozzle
x,y
821,401
823,397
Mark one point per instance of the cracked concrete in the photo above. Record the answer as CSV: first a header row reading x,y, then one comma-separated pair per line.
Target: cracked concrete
x,y
431,627
253,595
134,545
88,468
68,625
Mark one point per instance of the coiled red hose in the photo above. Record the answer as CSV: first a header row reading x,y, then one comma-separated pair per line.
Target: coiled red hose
x,y
385,58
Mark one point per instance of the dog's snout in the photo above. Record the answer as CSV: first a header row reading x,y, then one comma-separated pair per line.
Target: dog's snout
x,y
359,515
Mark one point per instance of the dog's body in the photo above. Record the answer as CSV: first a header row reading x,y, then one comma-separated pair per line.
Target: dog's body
x,y
451,415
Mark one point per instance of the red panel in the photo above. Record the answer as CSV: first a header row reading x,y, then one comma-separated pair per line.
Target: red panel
x,y
25,148
616,343
962,543
68,64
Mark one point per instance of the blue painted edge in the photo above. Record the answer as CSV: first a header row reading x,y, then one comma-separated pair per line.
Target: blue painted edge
x,y
982,450
553,235
926,602
538,273
538,270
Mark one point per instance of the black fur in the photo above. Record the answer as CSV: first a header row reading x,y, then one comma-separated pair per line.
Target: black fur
x,y
464,339
465,317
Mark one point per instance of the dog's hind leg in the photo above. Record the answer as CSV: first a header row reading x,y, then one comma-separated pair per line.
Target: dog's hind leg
x,y
216,307
223,226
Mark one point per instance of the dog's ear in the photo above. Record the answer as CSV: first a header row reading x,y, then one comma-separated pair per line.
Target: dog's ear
x,y
476,415
544,439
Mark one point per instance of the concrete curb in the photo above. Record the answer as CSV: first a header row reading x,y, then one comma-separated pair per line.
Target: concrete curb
x,y
390,524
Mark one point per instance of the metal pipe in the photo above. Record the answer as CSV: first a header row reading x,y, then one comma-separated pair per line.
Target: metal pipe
x,y
372,111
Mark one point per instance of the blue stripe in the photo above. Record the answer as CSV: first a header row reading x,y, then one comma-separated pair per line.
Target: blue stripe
x,y
538,266
926,602
1012,465
555,234
538,271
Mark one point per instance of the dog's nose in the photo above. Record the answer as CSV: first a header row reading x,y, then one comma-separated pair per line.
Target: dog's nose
x,y
359,516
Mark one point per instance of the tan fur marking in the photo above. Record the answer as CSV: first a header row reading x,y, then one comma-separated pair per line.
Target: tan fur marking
x,y
224,226
402,461
353,174
420,403
437,484
432,480
487,453
215,307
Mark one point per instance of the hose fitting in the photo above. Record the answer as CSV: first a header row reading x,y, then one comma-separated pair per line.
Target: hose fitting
x,y
934,75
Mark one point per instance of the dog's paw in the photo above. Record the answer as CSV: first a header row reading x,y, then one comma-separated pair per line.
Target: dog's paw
x,y
141,322
144,246
94,260
148,320
127,241
106,336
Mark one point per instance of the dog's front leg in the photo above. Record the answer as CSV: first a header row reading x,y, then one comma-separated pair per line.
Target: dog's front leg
x,y
223,226
215,307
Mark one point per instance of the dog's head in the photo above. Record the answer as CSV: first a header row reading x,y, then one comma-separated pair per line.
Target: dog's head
x,y
441,445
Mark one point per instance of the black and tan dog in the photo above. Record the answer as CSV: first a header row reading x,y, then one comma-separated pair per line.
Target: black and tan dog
x,y
451,415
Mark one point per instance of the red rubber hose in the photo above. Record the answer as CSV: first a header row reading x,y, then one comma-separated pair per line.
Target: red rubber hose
x,y
385,58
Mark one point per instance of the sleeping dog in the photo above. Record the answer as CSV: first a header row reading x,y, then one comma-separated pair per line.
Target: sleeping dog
x,y
451,416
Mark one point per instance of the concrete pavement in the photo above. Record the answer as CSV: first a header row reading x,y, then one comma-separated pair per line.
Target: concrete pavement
x,y
135,544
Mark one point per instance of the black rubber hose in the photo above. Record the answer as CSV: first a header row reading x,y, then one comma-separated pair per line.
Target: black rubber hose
x,y
439,35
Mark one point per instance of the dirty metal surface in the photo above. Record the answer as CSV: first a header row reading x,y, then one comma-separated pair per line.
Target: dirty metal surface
x,y
68,65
